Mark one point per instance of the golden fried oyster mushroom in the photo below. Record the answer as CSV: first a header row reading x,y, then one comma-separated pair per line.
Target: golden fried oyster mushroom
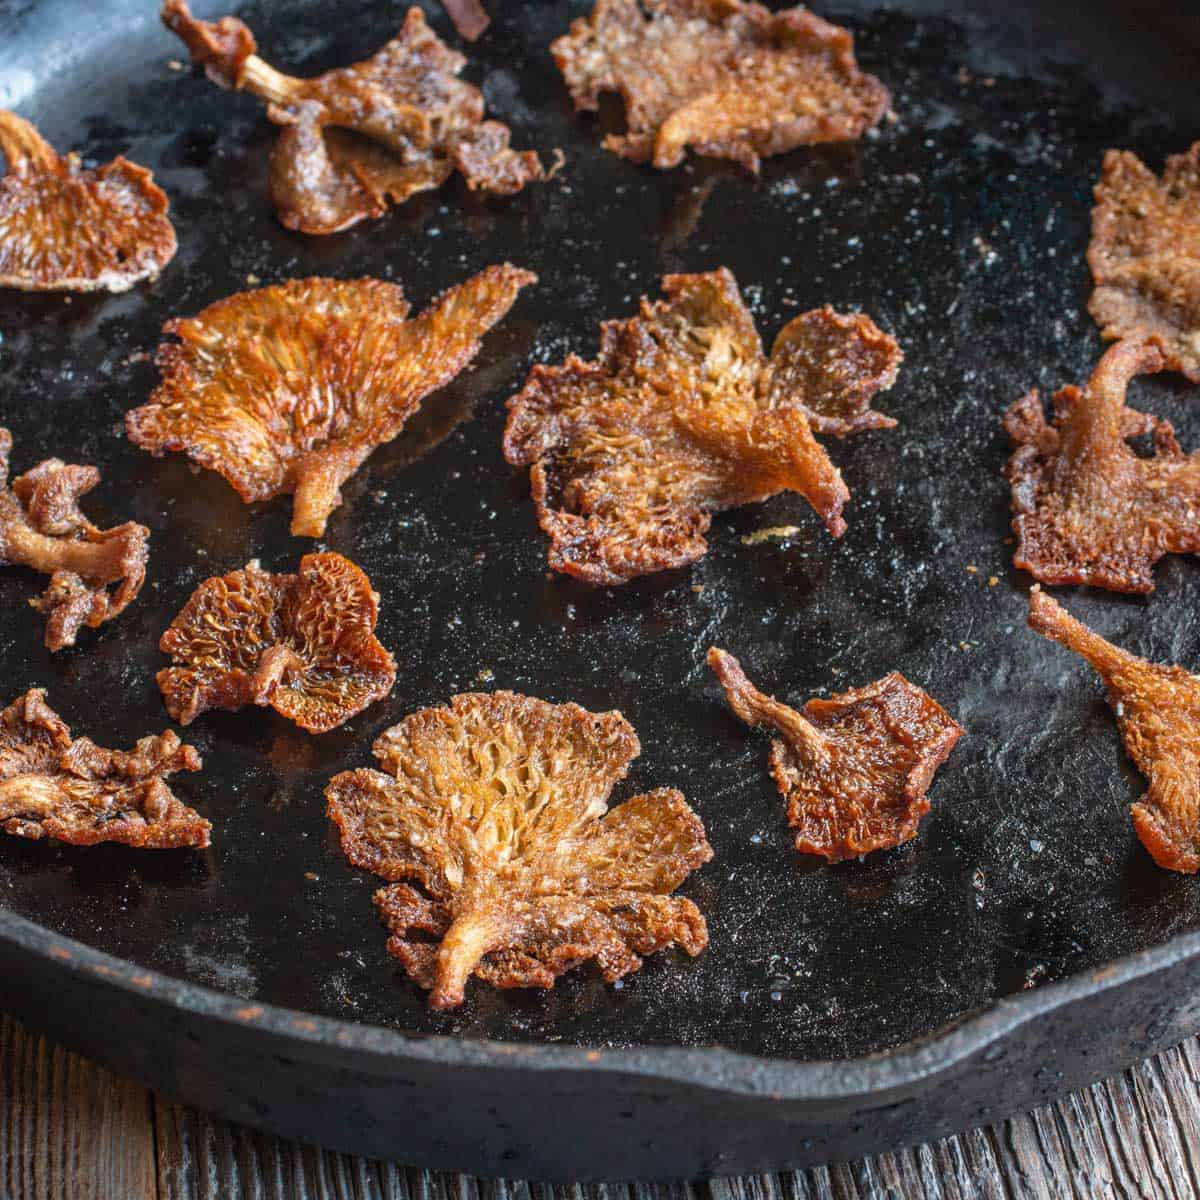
x,y
1158,714
53,785
682,416
496,808
358,138
304,644
65,228
728,79
855,769
288,389
1145,254
1086,508
42,527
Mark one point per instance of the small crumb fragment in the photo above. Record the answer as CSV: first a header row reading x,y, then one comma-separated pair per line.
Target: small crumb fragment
x,y
311,876
773,531
972,569
252,279
486,675
993,580
173,64
560,161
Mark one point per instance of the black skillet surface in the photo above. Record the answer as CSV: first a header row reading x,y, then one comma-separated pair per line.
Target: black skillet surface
x,y
960,227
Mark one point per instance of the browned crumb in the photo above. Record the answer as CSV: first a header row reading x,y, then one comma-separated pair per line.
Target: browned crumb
x,y
42,527
496,808
855,768
66,228
360,137
681,416
1158,714
727,78
1086,508
304,644
289,388
469,17
1145,254
53,785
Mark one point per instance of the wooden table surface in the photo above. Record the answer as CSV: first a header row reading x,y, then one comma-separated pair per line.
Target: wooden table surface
x,y
72,1131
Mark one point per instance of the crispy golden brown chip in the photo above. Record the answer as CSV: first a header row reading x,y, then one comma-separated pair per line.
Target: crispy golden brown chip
x,y
304,644
1158,714
288,389
358,138
65,228
1145,254
1086,508
497,808
469,17
54,786
682,416
41,526
727,78
855,768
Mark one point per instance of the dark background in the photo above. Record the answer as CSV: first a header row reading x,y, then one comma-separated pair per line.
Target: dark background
x,y
961,228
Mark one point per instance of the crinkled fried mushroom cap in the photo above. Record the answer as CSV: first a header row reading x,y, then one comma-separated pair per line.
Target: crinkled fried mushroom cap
x,y
1158,714
1145,254
1086,508
54,786
727,78
496,807
304,644
288,389
69,229
42,527
855,769
682,416
357,138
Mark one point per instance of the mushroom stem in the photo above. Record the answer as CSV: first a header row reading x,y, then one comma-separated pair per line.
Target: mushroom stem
x,y
319,478
755,708
273,668
261,79
1051,620
467,940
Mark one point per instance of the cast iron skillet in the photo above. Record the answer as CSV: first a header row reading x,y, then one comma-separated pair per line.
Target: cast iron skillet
x,y
1023,944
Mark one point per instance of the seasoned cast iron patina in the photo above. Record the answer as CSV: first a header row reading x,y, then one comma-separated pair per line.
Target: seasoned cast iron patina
x,y
1021,944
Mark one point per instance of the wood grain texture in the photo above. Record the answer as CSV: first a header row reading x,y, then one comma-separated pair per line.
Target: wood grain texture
x,y
72,1131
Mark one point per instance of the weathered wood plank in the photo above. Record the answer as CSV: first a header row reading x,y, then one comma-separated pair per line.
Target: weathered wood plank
x,y
70,1129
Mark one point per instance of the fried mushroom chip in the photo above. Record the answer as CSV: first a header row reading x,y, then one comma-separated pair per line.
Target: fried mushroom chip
x,y
682,416
360,137
53,785
1158,714
66,228
496,809
304,644
42,527
288,389
1145,254
728,79
855,769
1087,509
